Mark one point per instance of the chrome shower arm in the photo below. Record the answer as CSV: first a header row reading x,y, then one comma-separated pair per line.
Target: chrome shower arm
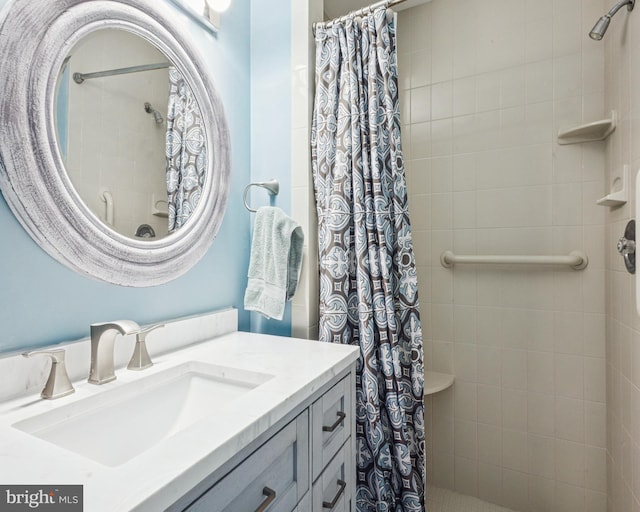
x,y
620,5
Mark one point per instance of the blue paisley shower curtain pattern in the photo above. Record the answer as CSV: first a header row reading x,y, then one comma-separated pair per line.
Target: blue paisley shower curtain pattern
x,y
368,283
186,151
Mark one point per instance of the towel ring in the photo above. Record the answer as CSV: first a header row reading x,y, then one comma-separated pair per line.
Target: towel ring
x,y
272,186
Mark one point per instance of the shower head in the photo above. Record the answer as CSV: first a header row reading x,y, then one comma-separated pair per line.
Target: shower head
x,y
156,115
601,26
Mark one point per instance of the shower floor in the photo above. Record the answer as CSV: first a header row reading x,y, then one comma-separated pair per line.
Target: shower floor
x,y
444,500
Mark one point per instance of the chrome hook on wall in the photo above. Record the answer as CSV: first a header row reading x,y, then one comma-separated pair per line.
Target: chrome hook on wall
x,y
272,186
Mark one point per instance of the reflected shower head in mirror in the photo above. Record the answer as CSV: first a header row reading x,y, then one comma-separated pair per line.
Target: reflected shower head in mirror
x,y
601,26
156,115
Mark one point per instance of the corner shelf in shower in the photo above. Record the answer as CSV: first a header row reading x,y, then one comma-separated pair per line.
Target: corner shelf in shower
x,y
589,132
435,381
159,207
619,197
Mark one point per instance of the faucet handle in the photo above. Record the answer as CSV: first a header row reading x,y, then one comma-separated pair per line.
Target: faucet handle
x,y
58,383
140,359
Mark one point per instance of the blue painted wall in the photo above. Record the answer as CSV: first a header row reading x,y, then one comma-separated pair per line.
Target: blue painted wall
x,y
43,302
271,117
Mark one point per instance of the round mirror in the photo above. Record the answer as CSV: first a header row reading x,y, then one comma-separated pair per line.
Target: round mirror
x,y
117,160
130,134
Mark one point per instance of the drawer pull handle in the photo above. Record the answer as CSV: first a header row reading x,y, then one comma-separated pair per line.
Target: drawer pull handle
x,y
270,495
325,504
341,417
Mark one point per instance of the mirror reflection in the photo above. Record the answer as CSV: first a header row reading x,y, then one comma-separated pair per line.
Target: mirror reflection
x,y
131,134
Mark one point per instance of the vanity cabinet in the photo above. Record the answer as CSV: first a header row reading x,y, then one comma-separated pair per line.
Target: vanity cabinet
x,y
306,464
277,473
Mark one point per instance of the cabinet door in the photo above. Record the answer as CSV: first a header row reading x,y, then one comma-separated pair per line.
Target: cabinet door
x,y
274,478
332,492
332,416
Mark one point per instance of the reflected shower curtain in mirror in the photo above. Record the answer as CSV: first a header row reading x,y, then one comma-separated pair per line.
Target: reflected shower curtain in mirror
x,y
186,151
368,283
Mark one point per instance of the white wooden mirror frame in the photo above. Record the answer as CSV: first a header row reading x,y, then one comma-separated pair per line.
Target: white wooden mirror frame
x,y
35,38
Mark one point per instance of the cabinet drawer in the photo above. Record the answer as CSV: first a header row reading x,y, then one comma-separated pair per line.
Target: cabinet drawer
x,y
332,492
276,473
331,419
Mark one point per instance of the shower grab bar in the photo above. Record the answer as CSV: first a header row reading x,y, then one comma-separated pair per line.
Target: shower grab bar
x,y
107,198
575,259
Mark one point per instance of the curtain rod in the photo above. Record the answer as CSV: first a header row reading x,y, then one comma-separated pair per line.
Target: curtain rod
x,y
359,12
81,77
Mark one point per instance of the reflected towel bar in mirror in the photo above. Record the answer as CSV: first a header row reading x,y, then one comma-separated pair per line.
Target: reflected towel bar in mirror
x,y
272,186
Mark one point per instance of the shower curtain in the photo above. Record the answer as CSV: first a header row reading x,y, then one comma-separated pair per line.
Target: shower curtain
x,y
368,283
186,151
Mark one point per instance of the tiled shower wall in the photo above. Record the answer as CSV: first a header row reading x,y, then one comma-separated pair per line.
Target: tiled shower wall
x,y
117,107
622,86
485,86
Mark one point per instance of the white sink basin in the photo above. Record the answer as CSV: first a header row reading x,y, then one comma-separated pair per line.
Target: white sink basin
x,y
117,425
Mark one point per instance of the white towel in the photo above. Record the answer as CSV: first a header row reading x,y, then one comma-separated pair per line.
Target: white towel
x,y
275,262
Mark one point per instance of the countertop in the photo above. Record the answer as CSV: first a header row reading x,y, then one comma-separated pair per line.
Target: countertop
x,y
158,477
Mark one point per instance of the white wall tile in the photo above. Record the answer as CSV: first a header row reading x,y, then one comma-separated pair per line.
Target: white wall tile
x,y
569,498
567,34
466,476
569,375
527,347
464,96
490,483
567,74
420,105
488,91
464,292
420,134
595,424
539,81
541,494
420,72
596,469
541,456
514,369
569,418
514,450
465,362
443,434
538,40
442,356
541,414
540,372
514,409
490,405
515,489
512,86
465,438
442,100
465,401
594,379
570,462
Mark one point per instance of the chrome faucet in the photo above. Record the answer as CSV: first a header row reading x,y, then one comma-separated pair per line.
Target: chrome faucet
x,y
58,383
140,359
103,337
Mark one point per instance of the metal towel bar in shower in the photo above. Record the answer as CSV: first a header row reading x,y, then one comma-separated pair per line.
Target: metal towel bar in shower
x,y
273,186
576,259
